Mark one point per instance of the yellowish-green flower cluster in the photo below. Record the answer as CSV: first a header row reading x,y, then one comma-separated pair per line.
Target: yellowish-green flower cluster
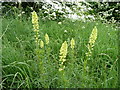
x,y
47,38
72,43
93,36
35,26
92,40
41,44
63,54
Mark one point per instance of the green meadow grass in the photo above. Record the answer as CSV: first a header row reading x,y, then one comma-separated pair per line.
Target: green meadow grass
x,y
19,67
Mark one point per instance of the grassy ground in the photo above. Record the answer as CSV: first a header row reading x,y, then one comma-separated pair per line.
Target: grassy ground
x,y
21,70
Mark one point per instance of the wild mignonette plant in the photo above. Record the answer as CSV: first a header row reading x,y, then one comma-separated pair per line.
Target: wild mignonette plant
x,y
91,42
72,43
70,64
62,74
35,27
72,53
90,46
46,39
41,44
63,54
39,51
47,47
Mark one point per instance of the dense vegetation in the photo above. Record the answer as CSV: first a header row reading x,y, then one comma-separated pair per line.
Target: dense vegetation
x,y
27,64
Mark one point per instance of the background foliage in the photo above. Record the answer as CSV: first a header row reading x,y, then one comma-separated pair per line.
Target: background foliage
x,y
107,10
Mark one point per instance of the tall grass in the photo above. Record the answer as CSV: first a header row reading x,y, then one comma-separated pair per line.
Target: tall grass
x,y
20,69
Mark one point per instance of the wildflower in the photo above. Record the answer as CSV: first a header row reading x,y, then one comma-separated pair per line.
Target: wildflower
x,y
59,22
63,50
63,54
93,36
46,38
54,14
72,43
23,12
65,31
41,44
35,25
92,40
34,18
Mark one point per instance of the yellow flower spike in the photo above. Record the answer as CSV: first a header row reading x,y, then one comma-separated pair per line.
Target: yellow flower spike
x,y
34,17
72,43
63,50
41,44
35,21
63,54
47,38
35,25
91,42
93,36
